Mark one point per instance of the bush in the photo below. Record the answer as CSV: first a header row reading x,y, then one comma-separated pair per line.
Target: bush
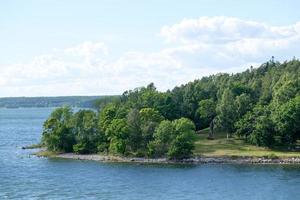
x,y
80,148
181,147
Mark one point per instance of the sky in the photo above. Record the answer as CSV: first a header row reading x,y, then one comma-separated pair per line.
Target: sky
x,y
104,47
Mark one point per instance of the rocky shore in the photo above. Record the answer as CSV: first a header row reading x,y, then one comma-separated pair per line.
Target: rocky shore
x,y
195,160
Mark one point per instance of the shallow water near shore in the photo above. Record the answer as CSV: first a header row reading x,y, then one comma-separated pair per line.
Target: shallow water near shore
x,y
23,176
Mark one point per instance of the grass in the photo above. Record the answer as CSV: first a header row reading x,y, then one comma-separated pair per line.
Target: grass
x,y
234,147
46,153
33,146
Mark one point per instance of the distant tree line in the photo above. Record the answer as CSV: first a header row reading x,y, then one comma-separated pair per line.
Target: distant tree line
x,y
260,105
74,101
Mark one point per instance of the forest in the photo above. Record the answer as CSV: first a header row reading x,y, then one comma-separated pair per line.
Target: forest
x,y
260,106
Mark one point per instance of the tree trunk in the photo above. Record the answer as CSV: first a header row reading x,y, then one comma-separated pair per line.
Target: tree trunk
x,y
229,135
211,130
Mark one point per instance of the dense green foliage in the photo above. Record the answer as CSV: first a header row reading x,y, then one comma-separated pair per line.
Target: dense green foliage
x,y
174,139
58,134
260,105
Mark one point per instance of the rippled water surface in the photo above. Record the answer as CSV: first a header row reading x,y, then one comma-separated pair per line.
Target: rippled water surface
x,y
27,177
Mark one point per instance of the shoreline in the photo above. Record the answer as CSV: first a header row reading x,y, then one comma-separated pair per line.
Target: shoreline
x,y
193,160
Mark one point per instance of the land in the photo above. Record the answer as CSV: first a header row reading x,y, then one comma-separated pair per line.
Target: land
x,y
220,146
27,102
220,150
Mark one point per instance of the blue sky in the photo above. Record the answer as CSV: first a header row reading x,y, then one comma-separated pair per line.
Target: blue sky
x,y
69,47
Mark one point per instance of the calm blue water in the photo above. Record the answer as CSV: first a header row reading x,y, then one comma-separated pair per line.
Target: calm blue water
x,y
28,177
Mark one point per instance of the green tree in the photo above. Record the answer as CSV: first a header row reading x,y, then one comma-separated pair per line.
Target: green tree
x,y
135,137
257,126
117,134
243,104
150,119
150,114
183,143
226,111
287,119
57,130
246,125
287,90
163,136
86,132
207,114
263,133
107,114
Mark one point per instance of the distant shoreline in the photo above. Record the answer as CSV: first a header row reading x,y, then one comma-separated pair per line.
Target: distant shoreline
x,y
194,160
50,102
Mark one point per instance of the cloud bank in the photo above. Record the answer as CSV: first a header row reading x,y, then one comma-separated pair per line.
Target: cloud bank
x,y
191,49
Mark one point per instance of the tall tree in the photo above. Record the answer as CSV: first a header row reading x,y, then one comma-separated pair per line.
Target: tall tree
x,y
163,136
226,111
117,133
183,143
107,114
86,132
150,119
134,128
57,132
207,114
287,119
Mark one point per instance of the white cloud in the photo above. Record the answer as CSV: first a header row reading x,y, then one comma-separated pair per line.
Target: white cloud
x,y
198,47
91,52
224,30
221,42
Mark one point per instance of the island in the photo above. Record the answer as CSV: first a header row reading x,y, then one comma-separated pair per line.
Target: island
x,y
41,102
248,117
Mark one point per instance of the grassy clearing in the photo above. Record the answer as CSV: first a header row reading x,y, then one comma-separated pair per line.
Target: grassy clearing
x,y
46,153
33,146
234,147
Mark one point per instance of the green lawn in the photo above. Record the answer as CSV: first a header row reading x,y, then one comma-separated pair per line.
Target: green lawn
x,y
221,146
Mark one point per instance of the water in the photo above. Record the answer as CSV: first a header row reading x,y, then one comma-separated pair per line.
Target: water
x,y
23,176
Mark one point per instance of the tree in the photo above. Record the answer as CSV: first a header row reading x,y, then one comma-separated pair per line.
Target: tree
x,y
117,134
257,126
150,119
107,114
181,147
286,91
287,119
243,104
183,143
87,135
173,139
207,114
163,136
245,126
57,130
134,127
263,133
226,111
150,115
